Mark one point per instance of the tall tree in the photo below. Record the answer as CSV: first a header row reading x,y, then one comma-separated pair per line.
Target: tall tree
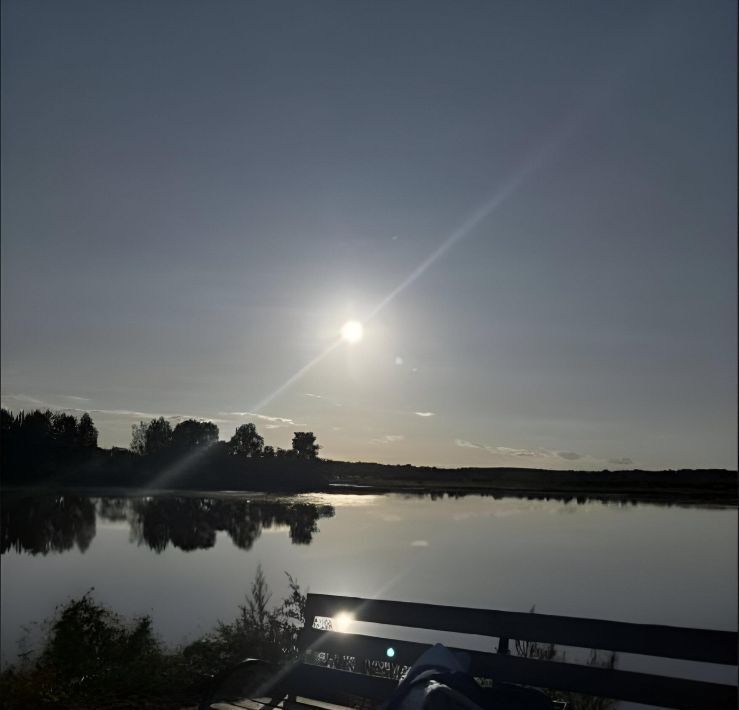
x,y
246,441
305,446
191,434
6,422
158,436
152,438
64,429
87,433
138,438
35,427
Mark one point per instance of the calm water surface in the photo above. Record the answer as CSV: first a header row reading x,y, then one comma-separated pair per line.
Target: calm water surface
x,y
187,561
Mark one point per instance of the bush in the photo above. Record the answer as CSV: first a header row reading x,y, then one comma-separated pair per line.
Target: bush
x,y
91,657
257,632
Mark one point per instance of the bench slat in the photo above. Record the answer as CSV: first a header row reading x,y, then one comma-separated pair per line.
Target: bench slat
x,y
653,640
371,647
603,682
332,685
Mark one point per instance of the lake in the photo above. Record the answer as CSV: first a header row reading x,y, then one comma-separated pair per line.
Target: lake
x,y
187,560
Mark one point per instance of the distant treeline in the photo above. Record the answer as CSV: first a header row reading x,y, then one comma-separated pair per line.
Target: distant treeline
x,y
157,438
56,449
709,486
44,447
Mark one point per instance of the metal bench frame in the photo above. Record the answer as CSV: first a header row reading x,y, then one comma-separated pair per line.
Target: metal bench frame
x,y
308,680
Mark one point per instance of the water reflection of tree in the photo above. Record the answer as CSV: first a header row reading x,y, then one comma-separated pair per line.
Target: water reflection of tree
x,y
113,509
40,525
616,500
185,522
192,523
44,524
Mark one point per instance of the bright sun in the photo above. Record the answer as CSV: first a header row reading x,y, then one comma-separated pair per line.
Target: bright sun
x,y
352,331
342,622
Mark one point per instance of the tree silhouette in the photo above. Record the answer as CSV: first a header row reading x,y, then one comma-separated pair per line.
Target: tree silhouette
x,y
38,444
191,434
64,429
246,441
87,433
35,427
152,438
138,438
158,436
304,445
6,422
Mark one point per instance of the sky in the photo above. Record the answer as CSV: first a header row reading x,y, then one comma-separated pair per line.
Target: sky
x,y
530,206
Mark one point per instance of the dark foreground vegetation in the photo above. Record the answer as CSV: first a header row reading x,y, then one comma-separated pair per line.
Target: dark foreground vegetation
x,y
53,449
90,657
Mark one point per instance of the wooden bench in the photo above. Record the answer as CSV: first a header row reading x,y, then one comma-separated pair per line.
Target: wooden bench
x,y
365,656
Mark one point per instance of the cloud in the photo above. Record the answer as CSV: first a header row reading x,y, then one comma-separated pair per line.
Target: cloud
x,y
503,450
149,415
398,360
513,451
280,421
117,412
420,543
425,414
25,398
130,413
330,400
625,461
463,443
388,439
508,451
75,398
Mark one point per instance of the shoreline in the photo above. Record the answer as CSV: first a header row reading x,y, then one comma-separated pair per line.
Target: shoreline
x,y
660,496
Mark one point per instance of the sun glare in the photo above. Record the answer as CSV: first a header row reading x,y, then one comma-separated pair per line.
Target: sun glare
x,y
352,331
342,622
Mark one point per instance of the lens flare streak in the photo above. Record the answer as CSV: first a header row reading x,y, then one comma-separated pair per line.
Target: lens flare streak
x,y
477,217
296,376
470,224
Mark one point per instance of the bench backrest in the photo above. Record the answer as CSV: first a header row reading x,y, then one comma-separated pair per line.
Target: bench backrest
x,y
333,685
